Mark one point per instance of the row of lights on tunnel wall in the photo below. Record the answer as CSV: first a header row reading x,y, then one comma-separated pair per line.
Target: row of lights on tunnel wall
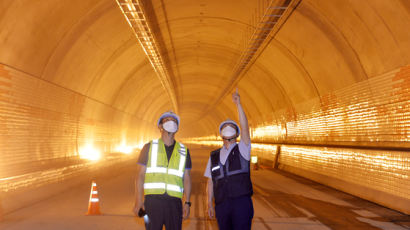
x,y
392,162
90,152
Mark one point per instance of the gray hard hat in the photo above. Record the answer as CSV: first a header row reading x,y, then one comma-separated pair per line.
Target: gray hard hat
x,y
168,114
229,121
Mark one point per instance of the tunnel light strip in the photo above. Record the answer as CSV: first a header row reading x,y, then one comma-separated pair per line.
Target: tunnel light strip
x,y
136,18
262,31
273,16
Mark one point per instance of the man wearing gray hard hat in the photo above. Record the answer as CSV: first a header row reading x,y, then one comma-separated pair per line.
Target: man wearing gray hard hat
x,y
228,172
164,178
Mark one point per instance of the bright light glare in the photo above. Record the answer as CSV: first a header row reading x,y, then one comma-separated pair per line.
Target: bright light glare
x,y
254,159
90,153
124,149
129,7
140,145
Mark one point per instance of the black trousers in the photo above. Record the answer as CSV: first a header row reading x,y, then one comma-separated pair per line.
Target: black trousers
x,y
163,210
235,213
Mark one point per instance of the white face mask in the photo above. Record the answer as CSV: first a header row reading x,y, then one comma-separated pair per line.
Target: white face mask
x,y
228,131
170,126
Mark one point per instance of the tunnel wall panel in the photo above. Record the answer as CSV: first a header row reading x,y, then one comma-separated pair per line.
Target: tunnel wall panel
x,y
374,112
380,176
44,127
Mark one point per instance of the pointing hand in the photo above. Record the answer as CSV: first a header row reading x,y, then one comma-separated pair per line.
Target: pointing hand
x,y
236,98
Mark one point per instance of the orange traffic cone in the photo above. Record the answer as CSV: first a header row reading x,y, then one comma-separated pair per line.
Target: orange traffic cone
x,y
94,203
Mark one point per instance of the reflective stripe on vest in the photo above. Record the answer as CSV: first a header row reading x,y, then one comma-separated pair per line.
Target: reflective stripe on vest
x,y
171,187
244,166
154,185
174,188
154,158
216,168
180,171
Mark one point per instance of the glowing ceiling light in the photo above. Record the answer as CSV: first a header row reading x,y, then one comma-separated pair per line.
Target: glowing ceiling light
x,y
130,7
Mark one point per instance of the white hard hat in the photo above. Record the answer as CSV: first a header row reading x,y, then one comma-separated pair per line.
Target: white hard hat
x,y
229,121
168,114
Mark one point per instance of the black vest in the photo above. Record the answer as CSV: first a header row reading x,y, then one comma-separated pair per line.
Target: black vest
x,y
232,179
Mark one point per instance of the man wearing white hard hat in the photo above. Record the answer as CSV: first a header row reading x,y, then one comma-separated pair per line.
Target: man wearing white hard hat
x,y
164,178
228,172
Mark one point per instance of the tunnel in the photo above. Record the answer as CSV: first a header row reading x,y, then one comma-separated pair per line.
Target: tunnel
x,y
325,86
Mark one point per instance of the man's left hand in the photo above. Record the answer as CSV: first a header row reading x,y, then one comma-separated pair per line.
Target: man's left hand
x,y
186,211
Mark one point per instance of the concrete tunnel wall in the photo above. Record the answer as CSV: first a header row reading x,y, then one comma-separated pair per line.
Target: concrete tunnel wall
x,y
335,74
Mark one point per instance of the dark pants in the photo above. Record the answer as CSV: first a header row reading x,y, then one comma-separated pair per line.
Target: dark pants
x,y
235,214
162,211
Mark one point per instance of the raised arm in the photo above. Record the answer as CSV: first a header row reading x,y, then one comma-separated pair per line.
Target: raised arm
x,y
245,136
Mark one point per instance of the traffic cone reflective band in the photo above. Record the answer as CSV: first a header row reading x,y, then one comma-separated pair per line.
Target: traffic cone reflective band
x,y
94,203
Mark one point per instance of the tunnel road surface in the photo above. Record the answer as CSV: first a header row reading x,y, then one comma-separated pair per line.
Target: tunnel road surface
x,y
281,201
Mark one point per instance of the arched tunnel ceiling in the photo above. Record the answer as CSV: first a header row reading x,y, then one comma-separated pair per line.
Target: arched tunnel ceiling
x,y
89,48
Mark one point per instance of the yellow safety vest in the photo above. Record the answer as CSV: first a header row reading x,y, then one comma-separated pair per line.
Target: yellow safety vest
x,y
161,176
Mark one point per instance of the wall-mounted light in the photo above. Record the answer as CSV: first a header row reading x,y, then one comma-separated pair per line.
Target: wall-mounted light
x,y
89,152
124,149
254,159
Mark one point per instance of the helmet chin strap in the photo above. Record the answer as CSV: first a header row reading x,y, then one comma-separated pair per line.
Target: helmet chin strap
x,y
169,133
230,139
